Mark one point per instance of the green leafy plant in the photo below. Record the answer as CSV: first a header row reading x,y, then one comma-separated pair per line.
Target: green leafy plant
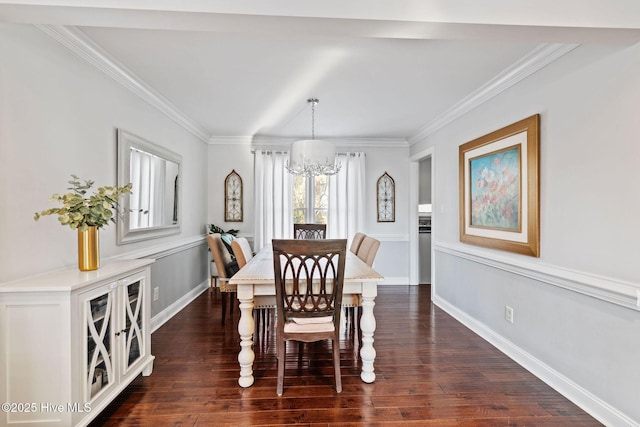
x,y
80,210
215,229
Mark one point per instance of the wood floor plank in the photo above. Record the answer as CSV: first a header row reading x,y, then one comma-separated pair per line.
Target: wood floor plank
x,y
430,371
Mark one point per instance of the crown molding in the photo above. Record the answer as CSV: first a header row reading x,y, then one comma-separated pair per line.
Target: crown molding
x,y
88,50
372,142
534,61
274,141
230,140
84,47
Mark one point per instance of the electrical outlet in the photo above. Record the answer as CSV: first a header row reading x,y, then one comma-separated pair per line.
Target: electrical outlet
x,y
508,314
156,293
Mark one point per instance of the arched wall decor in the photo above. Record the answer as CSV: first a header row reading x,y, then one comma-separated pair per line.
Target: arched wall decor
x,y
386,198
233,197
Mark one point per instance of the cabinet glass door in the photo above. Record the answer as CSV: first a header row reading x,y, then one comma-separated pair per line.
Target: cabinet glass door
x,y
99,342
133,323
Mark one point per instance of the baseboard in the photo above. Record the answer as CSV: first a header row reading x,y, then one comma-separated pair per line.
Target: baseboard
x,y
166,314
591,404
393,281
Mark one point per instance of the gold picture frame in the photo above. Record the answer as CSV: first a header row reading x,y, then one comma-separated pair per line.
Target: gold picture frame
x,y
499,176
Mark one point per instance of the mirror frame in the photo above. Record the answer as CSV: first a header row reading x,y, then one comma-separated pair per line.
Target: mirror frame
x,y
126,141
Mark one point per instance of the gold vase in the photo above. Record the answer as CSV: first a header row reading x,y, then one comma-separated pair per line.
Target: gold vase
x,y
88,249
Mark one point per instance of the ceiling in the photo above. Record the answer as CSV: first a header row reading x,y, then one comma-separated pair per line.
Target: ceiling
x,y
387,71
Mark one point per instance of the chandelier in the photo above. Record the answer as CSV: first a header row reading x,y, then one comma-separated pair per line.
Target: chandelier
x,y
313,157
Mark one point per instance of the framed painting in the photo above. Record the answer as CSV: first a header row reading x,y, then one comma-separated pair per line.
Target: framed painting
x,y
500,189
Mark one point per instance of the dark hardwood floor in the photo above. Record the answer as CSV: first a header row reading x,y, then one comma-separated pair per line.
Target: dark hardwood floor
x,y
430,370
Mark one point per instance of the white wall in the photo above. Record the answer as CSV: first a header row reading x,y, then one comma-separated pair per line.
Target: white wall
x,y
222,159
391,260
585,346
58,116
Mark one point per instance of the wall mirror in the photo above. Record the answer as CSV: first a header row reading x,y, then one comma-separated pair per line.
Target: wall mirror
x,y
152,210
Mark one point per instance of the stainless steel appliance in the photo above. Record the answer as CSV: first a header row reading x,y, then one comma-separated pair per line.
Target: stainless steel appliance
x,y
424,223
424,247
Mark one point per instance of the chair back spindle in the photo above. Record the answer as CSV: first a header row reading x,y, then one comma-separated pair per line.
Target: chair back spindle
x,y
309,231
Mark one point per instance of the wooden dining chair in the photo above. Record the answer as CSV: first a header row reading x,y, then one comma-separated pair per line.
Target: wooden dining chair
x,y
368,250
352,302
225,266
356,242
309,231
262,313
213,275
309,278
242,251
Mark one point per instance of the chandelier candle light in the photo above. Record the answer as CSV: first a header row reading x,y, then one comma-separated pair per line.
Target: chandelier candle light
x,y
312,157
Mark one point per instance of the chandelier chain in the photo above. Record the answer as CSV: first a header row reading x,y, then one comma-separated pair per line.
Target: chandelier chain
x,y
313,102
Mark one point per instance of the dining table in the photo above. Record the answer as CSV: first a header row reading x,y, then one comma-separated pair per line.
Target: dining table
x,y
256,288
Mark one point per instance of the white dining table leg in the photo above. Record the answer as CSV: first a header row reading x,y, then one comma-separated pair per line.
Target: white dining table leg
x,y
246,327
368,326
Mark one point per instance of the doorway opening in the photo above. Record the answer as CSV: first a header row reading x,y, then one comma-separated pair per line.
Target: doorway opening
x,y
424,221
423,202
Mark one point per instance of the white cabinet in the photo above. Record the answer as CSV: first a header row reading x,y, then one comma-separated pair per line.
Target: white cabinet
x,y
115,335
71,341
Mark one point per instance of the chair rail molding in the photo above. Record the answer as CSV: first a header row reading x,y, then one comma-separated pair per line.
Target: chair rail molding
x,y
164,249
614,291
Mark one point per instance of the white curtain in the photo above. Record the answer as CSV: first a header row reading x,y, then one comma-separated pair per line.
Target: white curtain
x,y
346,197
147,176
273,202
139,199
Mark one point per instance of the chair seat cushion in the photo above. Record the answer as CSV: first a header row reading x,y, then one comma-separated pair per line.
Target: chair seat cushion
x,y
351,300
311,320
293,327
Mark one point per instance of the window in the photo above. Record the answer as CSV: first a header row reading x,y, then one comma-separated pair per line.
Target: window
x,y
310,199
